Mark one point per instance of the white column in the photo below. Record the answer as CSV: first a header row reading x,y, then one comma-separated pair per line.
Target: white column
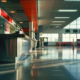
x,y
31,34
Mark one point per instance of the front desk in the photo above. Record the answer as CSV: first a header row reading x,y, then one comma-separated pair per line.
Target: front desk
x,y
15,48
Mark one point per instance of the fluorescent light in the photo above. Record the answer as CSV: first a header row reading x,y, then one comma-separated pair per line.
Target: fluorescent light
x,y
62,17
57,24
67,10
58,21
71,0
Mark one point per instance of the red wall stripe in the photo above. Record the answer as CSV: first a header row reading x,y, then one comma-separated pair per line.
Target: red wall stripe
x,y
3,14
10,20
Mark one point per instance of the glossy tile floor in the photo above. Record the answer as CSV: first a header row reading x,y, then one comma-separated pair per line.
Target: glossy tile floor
x,y
48,63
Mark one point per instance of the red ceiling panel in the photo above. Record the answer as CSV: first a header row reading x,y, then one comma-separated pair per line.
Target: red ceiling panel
x,y
26,29
30,8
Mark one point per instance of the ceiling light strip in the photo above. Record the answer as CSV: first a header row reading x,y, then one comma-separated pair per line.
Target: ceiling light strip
x,y
62,17
57,24
67,10
58,21
71,0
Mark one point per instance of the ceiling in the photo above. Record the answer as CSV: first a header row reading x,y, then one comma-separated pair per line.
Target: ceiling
x,y
19,15
48,9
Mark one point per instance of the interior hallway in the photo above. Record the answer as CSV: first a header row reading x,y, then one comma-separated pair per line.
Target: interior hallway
x,y
48,63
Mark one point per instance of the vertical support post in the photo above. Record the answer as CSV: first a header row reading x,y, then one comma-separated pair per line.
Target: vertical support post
x,y
73,44
31,34
31,30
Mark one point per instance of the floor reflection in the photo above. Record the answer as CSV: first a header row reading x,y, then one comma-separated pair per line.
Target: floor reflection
x,y
48,63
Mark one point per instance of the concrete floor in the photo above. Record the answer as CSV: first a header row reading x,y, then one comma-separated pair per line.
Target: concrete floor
x,y
48,63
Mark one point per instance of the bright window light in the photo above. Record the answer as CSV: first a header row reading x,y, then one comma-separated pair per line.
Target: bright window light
x,y
72,26
78,36
73,22
49,35
58,21
67,10
66,27
73,35
62,17
65,35
78,18
55,35
65,39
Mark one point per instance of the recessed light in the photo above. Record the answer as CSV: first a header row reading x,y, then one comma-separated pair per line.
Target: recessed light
x,y
57,24
71,0
62,17
4,1
0,25
58,21
20,22
67,10
12,11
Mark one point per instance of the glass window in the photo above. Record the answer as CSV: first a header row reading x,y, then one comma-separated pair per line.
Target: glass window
x,y
66,27
78,18
65,35
78,26
65,39
54,39
74,22
44,35
71,39
49,35
73,35
54,35
78,36
49,39
72,26
78,21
